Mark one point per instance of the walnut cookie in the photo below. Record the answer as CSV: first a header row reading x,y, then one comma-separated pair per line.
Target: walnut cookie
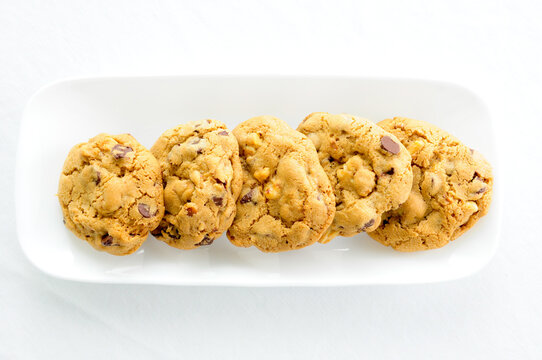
x,y
110,191
202,180
451,190
368,168
287,201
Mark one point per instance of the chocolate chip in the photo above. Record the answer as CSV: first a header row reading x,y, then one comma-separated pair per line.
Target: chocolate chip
x,y
172,234
157,231
191,211
197,125
482,190
206,241
247,197
388,144
107,240
144,210
221,182
120,151
390,171
195,142
217,200
368,224
98,177
223,133
330,159
476,176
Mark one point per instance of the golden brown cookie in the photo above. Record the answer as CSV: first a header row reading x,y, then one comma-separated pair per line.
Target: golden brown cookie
x,y
451,189
110,191
202,180
368,168
287,201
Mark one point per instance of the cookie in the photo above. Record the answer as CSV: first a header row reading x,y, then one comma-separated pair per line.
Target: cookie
x,y
451,190
202,180
287,201
110,191
368,168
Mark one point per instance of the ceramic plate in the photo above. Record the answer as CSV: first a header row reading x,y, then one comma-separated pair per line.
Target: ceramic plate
x,y
68,112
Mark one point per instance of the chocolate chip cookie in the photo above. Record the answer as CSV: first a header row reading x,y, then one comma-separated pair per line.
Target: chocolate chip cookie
x,y
451,190
287,201
202,180
368,168
110,191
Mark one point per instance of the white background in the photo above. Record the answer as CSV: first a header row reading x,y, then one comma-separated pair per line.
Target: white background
x,y
491,47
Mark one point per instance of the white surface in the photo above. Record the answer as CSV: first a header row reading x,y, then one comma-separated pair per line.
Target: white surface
x,y
69,112
492,47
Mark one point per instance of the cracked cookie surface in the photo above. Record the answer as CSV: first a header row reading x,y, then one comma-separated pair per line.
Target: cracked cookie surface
x,y
368,168
110,191
451,189
202,180
286,202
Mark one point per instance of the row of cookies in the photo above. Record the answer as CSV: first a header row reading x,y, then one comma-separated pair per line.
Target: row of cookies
x,y
274,187
407,183
113,191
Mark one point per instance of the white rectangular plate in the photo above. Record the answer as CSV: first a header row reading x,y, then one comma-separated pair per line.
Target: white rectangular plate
x,y
68,112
